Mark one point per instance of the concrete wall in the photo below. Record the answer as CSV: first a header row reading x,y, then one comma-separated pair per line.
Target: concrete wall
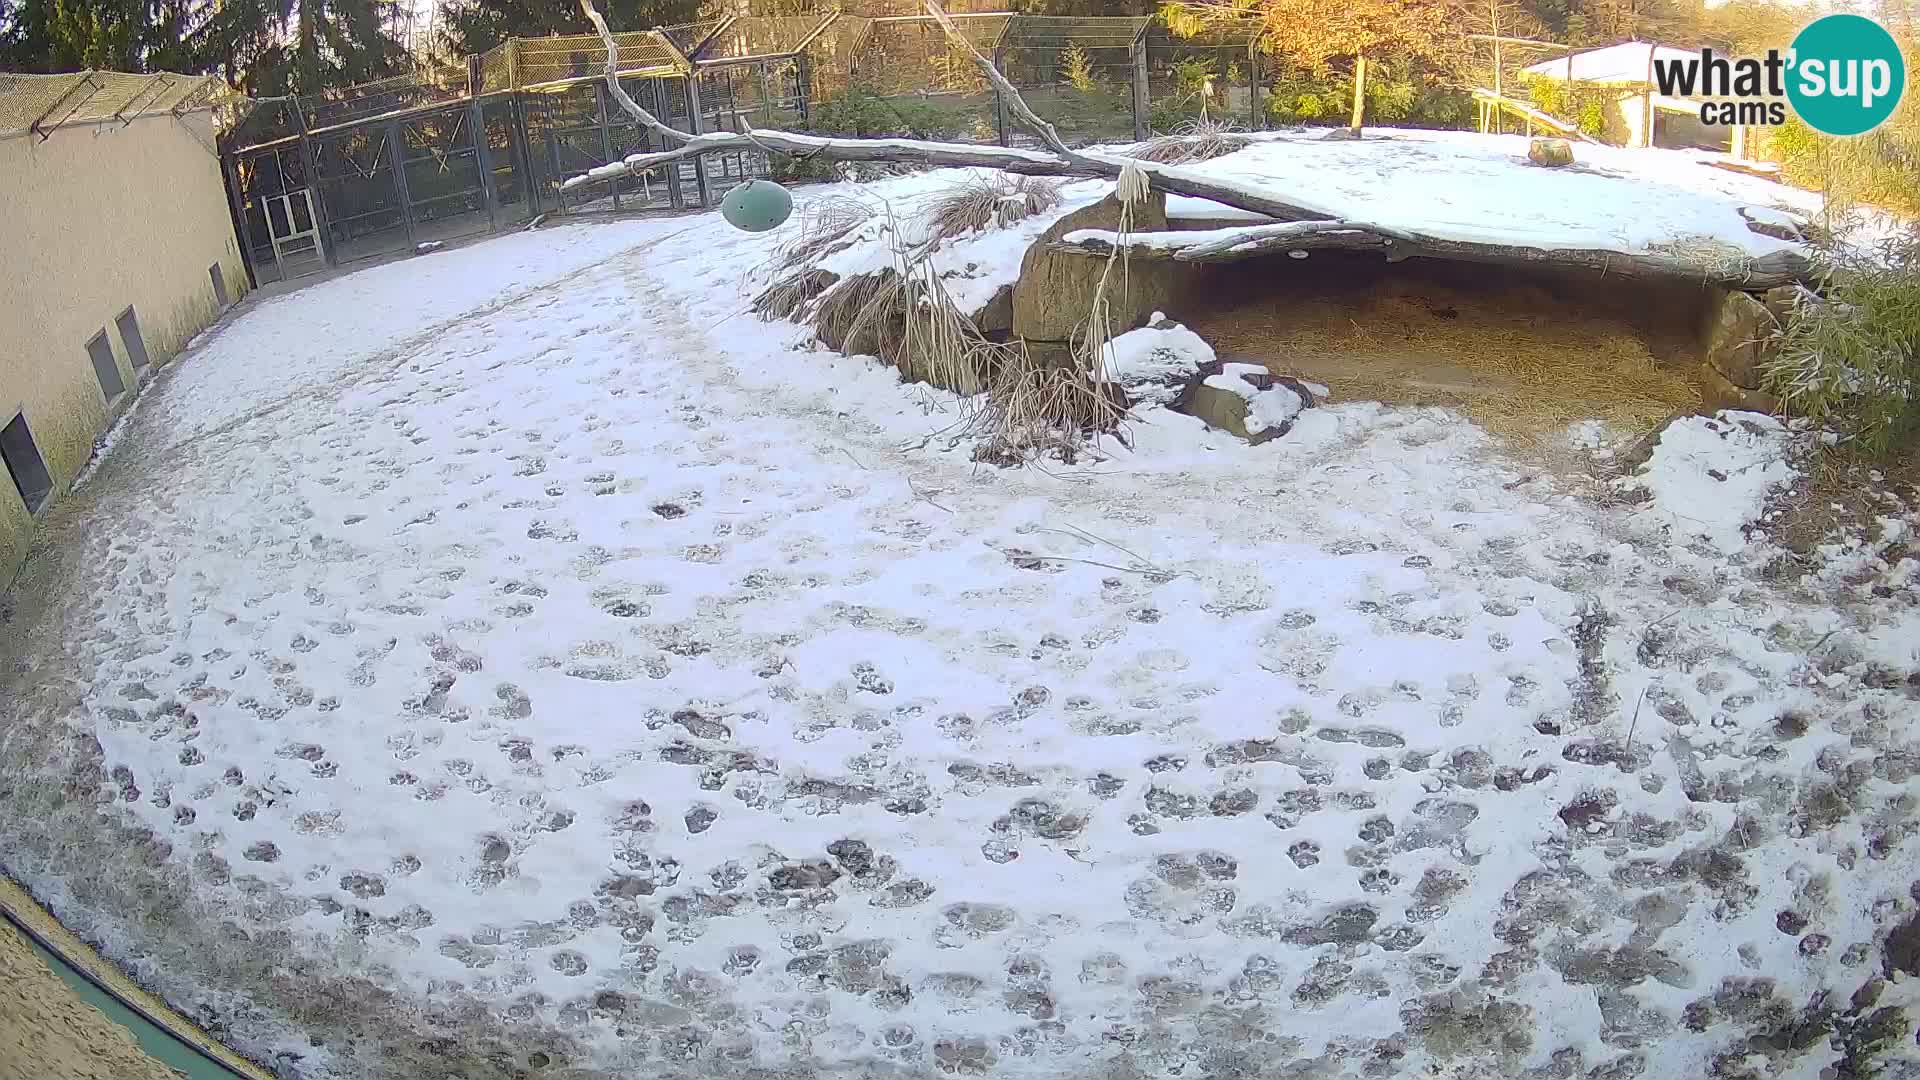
x,y
93,219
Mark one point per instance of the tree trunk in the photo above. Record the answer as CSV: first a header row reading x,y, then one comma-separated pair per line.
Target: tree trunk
x,y
1253,241
1359,91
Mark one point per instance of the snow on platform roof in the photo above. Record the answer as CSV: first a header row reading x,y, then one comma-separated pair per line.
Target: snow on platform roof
x,y
1627,62
1465,186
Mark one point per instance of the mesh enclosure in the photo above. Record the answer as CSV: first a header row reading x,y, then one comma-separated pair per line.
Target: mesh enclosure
x,y
754,35
903,76
754,93
367,100
689,37
1214,75
49,101
1076,73
496,69
539,61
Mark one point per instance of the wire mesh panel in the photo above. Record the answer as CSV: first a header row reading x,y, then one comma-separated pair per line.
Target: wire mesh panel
x,y
268,122
755,93
386,96
277,213
662,186
506,159
903,76
539,61
1077,73
762,35
1211,76
360,192
446,192
46,102
689,37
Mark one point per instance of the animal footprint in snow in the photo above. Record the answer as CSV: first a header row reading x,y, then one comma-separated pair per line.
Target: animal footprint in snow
x,y
867,678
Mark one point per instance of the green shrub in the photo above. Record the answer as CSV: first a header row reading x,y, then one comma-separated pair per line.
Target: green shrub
x,y
1585,109
1853,362
1395,96
862,113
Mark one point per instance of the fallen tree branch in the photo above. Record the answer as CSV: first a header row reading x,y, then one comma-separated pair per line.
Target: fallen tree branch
x,y
1297,225
1253,241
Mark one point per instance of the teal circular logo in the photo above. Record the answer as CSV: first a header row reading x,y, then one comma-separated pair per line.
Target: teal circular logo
x,y
1845,75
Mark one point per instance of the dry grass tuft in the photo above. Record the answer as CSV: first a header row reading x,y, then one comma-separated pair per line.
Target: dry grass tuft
x,y
789,296
1038,408
825,224
1194,140
989,201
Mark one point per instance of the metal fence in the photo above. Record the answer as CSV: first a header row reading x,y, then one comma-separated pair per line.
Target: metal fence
x,y
379,168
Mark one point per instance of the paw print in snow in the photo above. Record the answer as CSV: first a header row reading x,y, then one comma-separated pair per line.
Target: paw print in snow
x,y
1304,853
1379,880
866,677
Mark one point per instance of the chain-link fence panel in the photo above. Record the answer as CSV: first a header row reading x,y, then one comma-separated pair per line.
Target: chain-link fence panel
x,y
1078,74
44,103
535,62
1210,77
359,191
902,76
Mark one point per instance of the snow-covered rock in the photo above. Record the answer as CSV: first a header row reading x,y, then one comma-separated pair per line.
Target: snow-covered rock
x,y
1155,364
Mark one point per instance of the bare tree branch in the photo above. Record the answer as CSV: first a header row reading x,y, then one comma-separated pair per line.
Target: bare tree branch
x,y
619,92
1298,225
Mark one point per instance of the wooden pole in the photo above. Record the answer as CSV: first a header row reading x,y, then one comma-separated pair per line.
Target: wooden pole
x,y
1646,102
1001,122
1140,107
1253,86
1359,91
1493,10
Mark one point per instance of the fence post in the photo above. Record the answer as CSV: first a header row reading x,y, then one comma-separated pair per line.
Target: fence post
x,y
803,87
483,160
693,127
319,201
236,203
606,139
1000,119
1254,121
1140,107
397,156
663,108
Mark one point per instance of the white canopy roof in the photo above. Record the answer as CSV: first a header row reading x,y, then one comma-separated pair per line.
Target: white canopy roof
x,y
1628,62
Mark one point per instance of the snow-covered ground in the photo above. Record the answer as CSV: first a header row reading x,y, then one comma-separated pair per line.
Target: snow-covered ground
x,y
469,667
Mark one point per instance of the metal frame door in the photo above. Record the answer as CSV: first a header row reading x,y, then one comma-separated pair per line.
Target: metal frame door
x,y
283,228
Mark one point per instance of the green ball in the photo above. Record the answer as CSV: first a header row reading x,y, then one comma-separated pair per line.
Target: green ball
x,y
756,206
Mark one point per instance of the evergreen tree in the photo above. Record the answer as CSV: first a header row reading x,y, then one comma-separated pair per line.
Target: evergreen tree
x,y
271,47
471,27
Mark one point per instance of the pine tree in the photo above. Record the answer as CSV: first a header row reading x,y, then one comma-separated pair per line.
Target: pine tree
x,y
271,47
471,27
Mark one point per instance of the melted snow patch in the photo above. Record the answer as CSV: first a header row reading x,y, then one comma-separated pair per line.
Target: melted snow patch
x,y
1711,475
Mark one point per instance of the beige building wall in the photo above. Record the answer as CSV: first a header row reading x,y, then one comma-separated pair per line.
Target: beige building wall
x,y
95,218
